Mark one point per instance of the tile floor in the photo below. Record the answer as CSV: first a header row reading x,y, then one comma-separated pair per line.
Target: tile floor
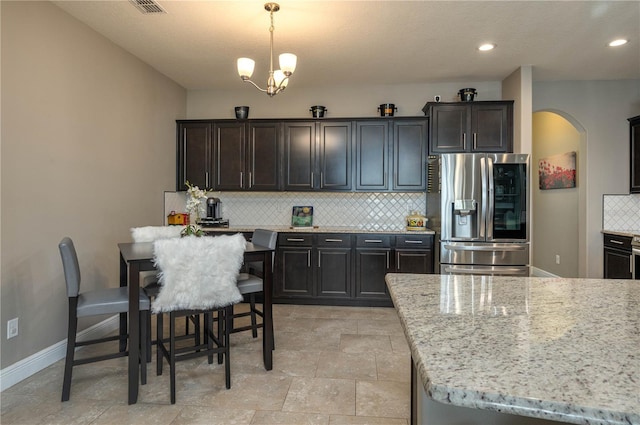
x,y
332,365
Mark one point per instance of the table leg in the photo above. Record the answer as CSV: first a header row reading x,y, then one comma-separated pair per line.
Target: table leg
x,y
267,339
123,316
134,330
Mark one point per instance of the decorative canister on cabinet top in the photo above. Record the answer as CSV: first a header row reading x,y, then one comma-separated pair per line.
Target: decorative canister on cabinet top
x,y
416,221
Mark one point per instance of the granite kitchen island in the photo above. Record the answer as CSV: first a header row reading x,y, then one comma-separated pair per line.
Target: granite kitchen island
x,y
508,350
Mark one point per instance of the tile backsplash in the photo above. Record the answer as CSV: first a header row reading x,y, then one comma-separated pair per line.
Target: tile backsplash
x,y
621,212
375,210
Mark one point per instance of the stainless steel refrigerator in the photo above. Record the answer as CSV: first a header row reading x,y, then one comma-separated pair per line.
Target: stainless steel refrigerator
x,y
484,214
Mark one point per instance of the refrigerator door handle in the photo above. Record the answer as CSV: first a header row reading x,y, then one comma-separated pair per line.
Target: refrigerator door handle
x,y
509,271
490,199
483,208
489,248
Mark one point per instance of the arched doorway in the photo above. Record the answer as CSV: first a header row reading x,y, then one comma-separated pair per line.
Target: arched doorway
x,y
558,215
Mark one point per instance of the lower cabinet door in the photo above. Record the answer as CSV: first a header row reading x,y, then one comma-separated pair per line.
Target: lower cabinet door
x,y
409,261
371,267
333,273
295,277
617,264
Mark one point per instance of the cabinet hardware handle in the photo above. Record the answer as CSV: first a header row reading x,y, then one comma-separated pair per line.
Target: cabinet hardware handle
x,y
397,261
241,179
631,266
308,258
616,242
250,180
206,178
311,180
184,154
333,240
464,141
321,180
373,241
475,139
410,241
295,240
319,259
387,260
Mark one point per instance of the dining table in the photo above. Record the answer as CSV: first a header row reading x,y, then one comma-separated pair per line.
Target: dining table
x,y
138,257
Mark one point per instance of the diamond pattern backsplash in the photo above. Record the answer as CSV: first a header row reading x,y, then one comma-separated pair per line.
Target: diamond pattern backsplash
x,y
621,212
375,210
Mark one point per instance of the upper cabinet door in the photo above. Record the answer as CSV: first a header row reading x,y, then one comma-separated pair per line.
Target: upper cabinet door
x,y
263,164
229,156
492,127
372,155
193,155
448,128
484,126
299,155
635,154
334,156
409,155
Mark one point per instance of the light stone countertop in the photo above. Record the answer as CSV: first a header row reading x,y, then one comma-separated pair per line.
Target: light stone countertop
x,y
558,349
320,229
630,233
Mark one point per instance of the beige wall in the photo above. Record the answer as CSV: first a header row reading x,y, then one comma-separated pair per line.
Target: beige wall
x,y
556,211
88,147
601,109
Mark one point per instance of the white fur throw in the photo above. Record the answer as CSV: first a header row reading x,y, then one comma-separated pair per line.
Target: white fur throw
x,y
198,273
153,233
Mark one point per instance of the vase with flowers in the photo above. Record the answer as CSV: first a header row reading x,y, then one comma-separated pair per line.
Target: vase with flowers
x,y
194,204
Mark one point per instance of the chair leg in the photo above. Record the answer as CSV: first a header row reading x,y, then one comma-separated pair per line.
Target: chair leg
x,y
71,346
159,339
254,322
144,338
148,341
172,355
221,327
208,328
228,312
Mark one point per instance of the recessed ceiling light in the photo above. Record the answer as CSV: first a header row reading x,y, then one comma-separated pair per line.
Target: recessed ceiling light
x,y
485,47
618,42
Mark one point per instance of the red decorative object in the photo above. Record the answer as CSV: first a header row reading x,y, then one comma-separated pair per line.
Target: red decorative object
x,y
558,171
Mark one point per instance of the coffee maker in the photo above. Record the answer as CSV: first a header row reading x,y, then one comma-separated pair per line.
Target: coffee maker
x,y
214,214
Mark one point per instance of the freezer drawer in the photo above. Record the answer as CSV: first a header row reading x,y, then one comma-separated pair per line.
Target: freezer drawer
x,y
489,254
484,270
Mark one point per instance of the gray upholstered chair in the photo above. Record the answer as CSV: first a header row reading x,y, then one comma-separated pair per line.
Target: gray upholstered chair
x,y
251,283
198,276
93,303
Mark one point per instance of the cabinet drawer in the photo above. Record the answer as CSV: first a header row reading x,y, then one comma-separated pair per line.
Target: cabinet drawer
x,y
414,241
616,241
295,239
338,240
373,241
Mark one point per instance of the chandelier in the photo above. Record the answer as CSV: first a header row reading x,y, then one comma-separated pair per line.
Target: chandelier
x,y
279,78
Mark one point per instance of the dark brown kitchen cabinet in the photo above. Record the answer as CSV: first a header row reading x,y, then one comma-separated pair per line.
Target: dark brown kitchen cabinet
x,y
193,154
373,260
293,275
484,126
409,155
343,269
229,155
414,254
317,155
617,257
333,266
634,124
372,155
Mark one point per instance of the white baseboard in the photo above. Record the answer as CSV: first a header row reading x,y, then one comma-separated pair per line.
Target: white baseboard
x,y
23,369
536,272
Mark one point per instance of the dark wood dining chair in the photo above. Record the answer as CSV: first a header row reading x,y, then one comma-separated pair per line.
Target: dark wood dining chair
x,y
107,301
198,276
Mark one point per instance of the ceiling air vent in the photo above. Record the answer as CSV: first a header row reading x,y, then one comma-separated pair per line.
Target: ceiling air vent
x,y
148,6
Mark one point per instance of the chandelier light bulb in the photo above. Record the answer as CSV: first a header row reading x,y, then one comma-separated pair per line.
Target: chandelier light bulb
x,y
245,67
288,62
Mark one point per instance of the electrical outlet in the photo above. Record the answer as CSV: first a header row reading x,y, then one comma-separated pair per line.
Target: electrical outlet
x,y
557,258
12,328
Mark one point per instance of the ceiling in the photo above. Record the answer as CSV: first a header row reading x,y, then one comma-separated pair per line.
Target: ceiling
x,y
196,43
